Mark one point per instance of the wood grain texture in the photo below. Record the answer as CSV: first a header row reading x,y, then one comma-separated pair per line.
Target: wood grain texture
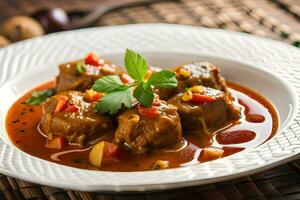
x,y
274,19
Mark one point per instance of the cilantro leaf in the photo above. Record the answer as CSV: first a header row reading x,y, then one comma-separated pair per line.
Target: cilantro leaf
x,y
164,78
113,101
144,94
38,97
108,84
80,68
136,65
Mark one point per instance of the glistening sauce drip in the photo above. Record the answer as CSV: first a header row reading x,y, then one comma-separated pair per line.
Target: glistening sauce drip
x,y
258,116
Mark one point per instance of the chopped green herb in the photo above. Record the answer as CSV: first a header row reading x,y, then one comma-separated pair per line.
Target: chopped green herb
x,y
80,68
296,43
284,34
78,160
157,167
118,94
38,97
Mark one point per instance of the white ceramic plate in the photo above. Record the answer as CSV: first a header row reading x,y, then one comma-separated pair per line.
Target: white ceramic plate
x,y
269,67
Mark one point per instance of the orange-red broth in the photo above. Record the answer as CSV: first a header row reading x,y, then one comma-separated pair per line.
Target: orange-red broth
x,y
22,121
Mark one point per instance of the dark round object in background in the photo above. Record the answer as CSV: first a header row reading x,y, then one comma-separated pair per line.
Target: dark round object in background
x,y
52,19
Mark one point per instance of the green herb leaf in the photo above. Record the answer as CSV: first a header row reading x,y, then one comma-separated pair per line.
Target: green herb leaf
x,y
38,97
165,79
118,94
108,84
113,101
144,94
80,68
136,65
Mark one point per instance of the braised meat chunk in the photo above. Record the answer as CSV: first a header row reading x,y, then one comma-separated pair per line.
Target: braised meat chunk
x,y
201,106
81,75
198,73
142,128
68,114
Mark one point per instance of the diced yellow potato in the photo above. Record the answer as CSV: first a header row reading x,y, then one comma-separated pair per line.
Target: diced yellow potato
x,y
211,153
184,72
197,89
161,164
187,96
89,94
96,154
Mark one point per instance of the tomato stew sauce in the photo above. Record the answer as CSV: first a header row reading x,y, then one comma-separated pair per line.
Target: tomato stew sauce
x,y
259,123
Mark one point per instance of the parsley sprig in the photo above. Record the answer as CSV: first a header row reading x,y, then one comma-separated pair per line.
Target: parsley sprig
x,y
118,94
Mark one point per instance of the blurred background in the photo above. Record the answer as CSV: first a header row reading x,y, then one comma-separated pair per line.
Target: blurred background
x,y
277,19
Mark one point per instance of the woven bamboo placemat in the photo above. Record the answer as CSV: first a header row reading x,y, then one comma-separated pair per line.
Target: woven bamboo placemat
x,y
276,19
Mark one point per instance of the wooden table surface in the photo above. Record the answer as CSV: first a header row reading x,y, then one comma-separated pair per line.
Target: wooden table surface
x,y
276,19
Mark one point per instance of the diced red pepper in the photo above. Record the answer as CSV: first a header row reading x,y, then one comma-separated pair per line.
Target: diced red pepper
x,y
92,59
111,151
71,108
91,95
199,98
104,152
235,137
126,79
56,143
62,103
148,112
148,75
97,96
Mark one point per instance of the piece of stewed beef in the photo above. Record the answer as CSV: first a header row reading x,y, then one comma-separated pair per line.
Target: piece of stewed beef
x,y
202,107
198,73
70,115
79,75
144,128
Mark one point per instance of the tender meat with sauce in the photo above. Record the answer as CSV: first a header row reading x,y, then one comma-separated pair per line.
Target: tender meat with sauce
x,y
76,120
212,109
70,78
198,73
143,128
